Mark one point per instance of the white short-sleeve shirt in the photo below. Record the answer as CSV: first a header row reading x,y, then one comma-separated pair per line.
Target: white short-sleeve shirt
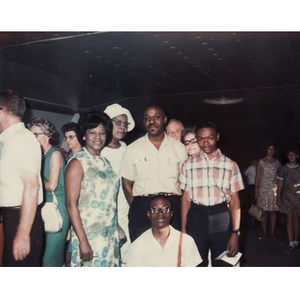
x,y
19,150
153,170
145,251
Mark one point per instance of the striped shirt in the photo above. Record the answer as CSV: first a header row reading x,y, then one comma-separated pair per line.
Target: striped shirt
x,y
210,182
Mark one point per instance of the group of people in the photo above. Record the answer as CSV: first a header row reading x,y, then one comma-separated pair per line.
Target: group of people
x,y
172,191
275,188
84,183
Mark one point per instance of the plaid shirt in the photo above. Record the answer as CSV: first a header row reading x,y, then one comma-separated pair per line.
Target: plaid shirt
x,y
210,182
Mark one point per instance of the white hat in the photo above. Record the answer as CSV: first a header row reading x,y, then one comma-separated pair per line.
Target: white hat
x,y
115,110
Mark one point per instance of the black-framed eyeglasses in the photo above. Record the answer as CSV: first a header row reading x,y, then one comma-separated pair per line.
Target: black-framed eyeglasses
x,y
36,134
119,123
192,141
69,137
156,210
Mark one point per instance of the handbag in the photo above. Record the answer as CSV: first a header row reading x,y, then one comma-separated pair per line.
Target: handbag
x,y
256,212
122,236
52,218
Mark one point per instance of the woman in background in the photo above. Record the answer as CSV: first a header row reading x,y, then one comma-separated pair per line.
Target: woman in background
x,y
71,133
91,191
266,188
288,196
53,168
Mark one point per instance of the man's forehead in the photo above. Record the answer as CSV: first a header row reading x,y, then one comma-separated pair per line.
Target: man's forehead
x,y
174,124
153,110
206,131
160,201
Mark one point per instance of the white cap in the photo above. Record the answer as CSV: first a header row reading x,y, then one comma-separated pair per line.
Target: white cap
x,y
115,110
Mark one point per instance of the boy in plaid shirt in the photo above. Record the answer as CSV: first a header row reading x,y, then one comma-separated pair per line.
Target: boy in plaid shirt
x,y
210,208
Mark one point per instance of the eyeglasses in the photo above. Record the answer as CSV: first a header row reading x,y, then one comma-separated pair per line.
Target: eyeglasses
x,y
119,123
156,210
192,141
36,134
70,137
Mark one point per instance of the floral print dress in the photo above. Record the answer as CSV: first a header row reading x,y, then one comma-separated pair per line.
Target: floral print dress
x,y
290,192
98,211
268,185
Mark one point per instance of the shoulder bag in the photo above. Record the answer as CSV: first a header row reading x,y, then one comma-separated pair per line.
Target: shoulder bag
x,y
51,216
179,250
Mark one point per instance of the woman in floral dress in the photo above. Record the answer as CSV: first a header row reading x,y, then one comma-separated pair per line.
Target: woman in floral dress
x,y
91,193
265,188
288,196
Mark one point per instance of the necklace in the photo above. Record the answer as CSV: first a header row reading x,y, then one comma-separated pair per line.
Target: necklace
x,y
292,166
47,151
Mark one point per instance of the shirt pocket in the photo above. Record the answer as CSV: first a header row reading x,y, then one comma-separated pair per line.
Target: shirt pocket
x,y
170,168
142,168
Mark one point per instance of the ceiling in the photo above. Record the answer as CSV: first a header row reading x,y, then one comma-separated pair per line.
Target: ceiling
x,y
75,71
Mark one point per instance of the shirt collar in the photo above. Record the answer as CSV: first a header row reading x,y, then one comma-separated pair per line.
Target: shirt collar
x,y
165,140
11,130
216,154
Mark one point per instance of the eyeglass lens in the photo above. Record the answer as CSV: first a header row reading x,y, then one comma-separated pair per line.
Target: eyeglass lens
x,y
119,123
70,137
156,210
36,134
192,141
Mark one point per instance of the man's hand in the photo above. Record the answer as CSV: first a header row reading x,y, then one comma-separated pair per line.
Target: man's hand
x,y
21,246
233,245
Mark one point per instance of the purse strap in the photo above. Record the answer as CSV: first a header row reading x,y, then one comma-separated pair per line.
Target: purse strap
x,y
179,250
54,199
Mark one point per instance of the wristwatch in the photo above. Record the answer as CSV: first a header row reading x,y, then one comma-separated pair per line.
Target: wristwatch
x,y
236,232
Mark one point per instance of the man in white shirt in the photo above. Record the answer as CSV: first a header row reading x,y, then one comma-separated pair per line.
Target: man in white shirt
x,y
159,245
21,193
151,166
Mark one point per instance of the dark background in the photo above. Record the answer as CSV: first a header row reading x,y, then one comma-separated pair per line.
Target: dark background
x,y
71,72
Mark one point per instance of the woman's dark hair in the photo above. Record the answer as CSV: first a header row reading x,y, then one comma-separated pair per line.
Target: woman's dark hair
x,y
267,144
292,149
92,120
186,131
71,126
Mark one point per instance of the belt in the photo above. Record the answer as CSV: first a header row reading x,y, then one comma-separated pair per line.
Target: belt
x,y
158,194
6,208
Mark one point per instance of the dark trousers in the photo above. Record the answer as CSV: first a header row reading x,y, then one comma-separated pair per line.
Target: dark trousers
x,y
11,218
210,227
138,220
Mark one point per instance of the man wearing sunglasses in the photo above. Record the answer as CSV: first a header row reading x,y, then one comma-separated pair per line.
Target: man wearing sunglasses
x,y
159,245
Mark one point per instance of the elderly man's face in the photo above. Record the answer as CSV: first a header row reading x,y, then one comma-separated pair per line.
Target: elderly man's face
x,y
174,130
